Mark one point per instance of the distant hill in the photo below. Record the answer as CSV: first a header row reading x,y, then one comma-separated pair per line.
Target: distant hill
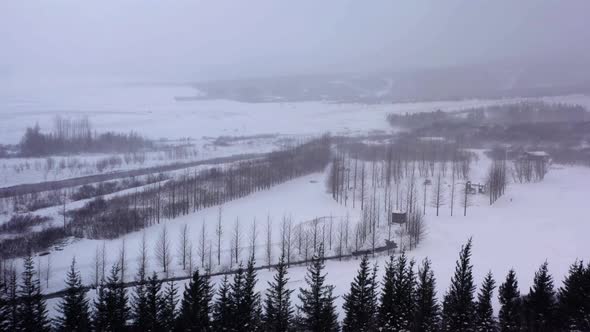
x,y
451,83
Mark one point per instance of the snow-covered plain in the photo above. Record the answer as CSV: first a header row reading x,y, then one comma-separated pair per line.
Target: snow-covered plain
x,y
530,224
152,110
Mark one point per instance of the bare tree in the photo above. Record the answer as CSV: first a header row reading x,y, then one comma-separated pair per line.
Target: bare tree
x,y
63,211
163,254
466,201
183,249
202,242
190,259
346,230
283,236
438,198
103,260
268,241
47,271
253,237
416,229
143,254
219,232
315,223
236,241
452,191
289,239
330,230
122,260
96,273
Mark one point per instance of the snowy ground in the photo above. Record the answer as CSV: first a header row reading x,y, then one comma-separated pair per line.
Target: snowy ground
x,y
14,171
530,224
152,111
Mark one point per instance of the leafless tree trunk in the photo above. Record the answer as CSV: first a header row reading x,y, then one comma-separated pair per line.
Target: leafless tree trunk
x,y
330,229
219,232
363,186
268,241
143,255
47,271
97,275
452,192
103,260
236,241
190,259
289,240
63,211
466,199
346,231
253,237
202,252
315,233
183,250
123,260
438,198
284,236
163,250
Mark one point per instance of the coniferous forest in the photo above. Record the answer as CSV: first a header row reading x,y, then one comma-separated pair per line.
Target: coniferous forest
x,y
402,298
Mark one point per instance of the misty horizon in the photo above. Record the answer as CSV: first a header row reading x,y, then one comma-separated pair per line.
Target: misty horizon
x,y
206,40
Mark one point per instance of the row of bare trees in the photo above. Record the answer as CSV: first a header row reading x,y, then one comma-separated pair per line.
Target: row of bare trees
x,y
497,180
529,170
192,192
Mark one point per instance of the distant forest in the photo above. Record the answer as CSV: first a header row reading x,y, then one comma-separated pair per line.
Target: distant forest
x,y
75,136
561,130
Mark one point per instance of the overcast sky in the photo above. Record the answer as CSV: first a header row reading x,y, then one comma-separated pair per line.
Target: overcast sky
x,y
222,39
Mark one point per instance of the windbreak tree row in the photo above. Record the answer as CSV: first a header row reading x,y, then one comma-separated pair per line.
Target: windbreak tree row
x,y
188,193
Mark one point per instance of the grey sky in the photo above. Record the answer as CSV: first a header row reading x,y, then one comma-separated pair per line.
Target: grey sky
x,y
221,38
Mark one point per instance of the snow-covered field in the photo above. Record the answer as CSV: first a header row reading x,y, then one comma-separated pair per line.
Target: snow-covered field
x,y
152,111
532,223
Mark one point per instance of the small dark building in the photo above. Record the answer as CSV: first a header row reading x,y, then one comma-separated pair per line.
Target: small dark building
x,y
399,217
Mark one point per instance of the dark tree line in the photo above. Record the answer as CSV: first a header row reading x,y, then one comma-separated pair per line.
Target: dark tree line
x,y
74,136
522,112
404,299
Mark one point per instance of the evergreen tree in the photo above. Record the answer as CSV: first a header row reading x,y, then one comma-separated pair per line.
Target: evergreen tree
x,y
459,305
359,302
510,310
4,308
396,309
100,314
74,307
154,304
195,304
540,303
111,310
277,307
574,298
139,302
484,321
11,318
427,311
317,302
222,308
31,314
168,313
251,308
